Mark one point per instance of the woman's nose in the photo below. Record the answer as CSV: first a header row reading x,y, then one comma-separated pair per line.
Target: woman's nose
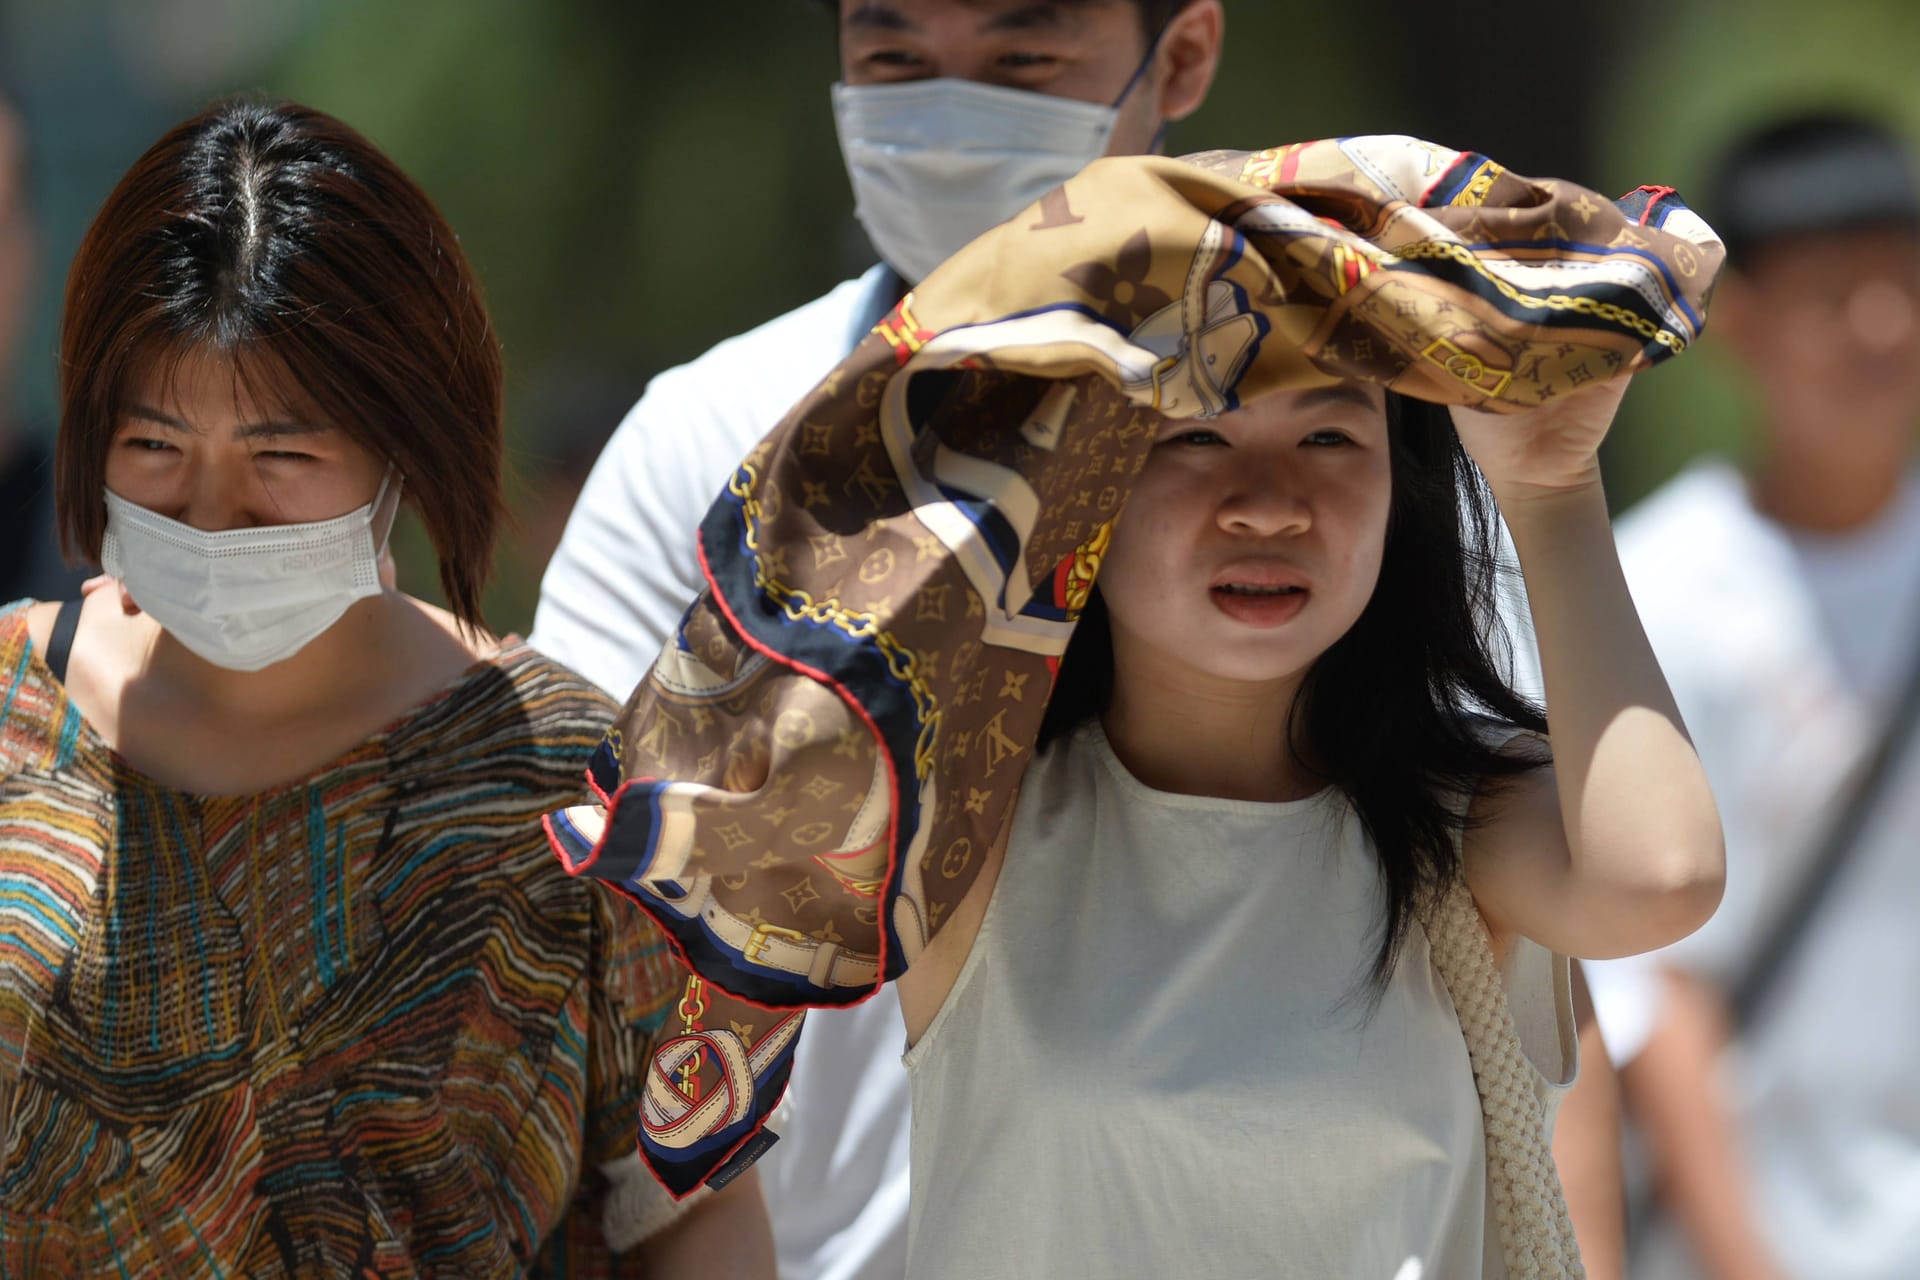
x,y
216,501
1265,502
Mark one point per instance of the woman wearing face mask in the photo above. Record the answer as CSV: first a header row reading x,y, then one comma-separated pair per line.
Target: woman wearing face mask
x,y
288,982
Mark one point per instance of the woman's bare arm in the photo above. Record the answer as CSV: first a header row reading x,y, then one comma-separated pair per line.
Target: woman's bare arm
x,y
1616,848
725,1236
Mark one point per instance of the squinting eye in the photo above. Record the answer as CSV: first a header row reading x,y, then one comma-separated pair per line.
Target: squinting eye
x,y
145,444
1026,61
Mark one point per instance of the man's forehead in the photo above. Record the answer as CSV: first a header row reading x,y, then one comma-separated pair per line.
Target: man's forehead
x,y
1837,255
990,15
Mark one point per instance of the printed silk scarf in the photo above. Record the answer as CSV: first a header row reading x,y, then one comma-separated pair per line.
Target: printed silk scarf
x,y
805,784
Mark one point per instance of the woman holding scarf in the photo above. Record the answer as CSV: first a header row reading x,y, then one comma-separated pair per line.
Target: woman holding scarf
x,y
1232,935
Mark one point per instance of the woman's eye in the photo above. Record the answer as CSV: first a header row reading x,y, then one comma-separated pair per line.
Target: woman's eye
x,y
281,455
145,444
891,58
1026,61
1321,439
1199,435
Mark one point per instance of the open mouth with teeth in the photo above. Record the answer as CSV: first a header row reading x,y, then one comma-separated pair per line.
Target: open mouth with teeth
x,y
1259,604
1248,589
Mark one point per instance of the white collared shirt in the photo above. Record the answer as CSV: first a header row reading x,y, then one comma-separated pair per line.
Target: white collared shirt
x,y
625,571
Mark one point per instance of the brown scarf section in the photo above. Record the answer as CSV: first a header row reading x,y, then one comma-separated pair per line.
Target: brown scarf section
x,y
805,784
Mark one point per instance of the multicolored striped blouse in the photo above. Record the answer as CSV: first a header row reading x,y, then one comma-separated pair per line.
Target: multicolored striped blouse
x,y
359,1025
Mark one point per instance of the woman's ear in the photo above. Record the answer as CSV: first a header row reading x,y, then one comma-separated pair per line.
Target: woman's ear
x,y
1189,55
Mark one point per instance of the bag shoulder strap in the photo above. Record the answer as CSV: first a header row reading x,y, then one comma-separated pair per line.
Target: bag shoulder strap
x,y
1832,854
1535,1230
60,643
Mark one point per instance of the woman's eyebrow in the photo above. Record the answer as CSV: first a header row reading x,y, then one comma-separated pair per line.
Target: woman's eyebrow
x,y
146,414
271,429
279,429
1340,393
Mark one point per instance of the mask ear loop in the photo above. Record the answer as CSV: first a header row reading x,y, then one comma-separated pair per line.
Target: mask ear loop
x,y
391,485
1139,73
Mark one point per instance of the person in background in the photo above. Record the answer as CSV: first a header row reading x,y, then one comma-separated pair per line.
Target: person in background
x,y
1784,604
30,565
289,985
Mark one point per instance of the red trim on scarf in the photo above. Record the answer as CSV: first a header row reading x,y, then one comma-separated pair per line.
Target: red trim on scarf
x,y
1655,196
879,748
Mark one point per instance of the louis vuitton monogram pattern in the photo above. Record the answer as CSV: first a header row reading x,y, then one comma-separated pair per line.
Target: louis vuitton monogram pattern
x,y
805,784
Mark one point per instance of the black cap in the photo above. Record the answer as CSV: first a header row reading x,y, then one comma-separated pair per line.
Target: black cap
x,y
1808,173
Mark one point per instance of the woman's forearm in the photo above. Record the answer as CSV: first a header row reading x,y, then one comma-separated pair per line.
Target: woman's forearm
x,y
1643,836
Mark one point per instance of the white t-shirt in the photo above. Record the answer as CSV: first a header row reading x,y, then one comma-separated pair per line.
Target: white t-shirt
x,y
1783,652
1159,1058
625,571
1864,584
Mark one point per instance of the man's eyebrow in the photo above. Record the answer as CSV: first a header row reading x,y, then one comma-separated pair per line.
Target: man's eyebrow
x,y
878,17
1045,15
1042,15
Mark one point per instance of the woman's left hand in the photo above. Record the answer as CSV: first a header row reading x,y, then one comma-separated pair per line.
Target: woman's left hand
x,y
1550,449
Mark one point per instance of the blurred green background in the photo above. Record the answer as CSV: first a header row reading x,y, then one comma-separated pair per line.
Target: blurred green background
x,y
636,180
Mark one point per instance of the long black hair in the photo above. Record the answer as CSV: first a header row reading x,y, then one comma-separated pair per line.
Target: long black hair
x,y
1387,714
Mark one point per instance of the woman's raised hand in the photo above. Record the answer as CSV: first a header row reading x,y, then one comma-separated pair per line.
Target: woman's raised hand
x,y
1543,451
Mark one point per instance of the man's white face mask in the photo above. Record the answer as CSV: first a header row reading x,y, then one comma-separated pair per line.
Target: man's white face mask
x,y
244,599
936,163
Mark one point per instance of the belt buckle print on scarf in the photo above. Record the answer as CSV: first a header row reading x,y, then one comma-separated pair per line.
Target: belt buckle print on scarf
x,y
806,782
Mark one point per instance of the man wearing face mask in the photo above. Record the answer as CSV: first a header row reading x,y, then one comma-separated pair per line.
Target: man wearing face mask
x,y
953,115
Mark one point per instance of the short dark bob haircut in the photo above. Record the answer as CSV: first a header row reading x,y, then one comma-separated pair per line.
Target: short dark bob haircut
x,y
1393,713
272,236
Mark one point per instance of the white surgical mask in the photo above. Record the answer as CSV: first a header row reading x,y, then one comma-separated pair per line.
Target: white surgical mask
x,y
936,163
244,599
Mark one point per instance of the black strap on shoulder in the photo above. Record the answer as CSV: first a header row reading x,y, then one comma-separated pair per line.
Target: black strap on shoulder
x,y
1831,856
1753,987
60,643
